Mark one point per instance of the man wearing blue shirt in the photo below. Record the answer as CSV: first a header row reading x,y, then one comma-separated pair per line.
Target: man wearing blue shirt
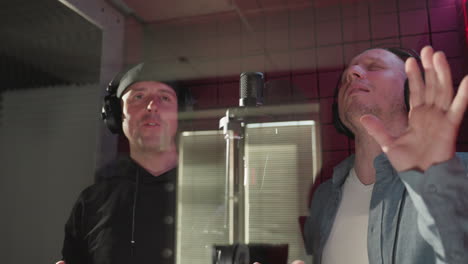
x,y
403,196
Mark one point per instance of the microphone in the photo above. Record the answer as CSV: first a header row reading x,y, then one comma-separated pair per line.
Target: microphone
x,y
251,89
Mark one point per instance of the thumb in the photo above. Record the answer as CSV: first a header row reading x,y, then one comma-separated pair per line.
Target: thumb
x,y
298,262
377,130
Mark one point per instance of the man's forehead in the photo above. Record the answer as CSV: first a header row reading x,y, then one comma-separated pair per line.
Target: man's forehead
x,y
374,54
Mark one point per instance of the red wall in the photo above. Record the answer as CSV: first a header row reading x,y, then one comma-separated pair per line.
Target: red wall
x,y
318,52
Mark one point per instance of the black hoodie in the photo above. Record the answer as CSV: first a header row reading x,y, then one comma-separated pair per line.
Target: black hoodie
x,y
111,213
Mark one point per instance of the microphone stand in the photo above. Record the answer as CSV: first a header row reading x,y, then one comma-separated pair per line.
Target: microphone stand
x,y
233,124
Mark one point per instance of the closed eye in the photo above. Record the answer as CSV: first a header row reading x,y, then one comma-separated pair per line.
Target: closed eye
x,y
375,67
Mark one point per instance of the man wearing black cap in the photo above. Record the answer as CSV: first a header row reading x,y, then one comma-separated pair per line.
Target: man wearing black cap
x,y
127,216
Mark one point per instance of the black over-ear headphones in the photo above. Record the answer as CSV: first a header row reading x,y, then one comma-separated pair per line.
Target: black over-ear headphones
x,y
111,111
403,54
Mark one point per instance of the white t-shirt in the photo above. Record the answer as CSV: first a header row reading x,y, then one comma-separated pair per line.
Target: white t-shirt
x,y
347,242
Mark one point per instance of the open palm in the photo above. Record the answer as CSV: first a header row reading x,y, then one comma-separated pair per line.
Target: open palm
x,y
434,118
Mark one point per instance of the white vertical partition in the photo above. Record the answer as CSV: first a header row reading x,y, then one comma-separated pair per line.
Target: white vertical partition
x,y
203,217
281,162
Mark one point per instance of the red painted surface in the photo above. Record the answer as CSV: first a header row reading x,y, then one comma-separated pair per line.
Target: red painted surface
x,y
465,15
318,48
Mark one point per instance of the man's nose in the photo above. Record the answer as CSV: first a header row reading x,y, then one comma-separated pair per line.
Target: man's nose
x,y
355,72
152,105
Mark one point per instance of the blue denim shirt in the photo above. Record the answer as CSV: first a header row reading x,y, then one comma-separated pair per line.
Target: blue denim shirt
x,y
414,217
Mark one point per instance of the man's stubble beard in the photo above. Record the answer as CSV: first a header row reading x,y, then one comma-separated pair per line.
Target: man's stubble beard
x,y
352,117
160,143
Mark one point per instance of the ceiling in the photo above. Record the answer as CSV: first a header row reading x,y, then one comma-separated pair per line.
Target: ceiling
x,y
53,40
157,11
194,38
220,38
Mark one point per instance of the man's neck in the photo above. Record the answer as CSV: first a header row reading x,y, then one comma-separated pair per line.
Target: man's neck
x,y
367,149
156,162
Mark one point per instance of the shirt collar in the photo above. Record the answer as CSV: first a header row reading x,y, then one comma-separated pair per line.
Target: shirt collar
x,y
381,164
384,171
341,171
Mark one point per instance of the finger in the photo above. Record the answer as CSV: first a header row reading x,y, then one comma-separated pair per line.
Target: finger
x,y
298,262
445,88
416,83
458,107
377,130
429,73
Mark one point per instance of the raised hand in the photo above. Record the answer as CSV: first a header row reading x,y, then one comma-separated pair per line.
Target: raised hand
x,y
294,262
434,118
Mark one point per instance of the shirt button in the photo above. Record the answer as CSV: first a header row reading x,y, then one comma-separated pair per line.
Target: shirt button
x,y
168,220
169,187
167,253
432,188
457,255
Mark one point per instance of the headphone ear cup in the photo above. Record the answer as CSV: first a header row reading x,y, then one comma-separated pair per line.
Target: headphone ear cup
x,y
407,95
338,124
111,114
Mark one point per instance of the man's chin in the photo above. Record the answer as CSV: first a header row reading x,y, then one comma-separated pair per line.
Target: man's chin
x,y
153,144
353,115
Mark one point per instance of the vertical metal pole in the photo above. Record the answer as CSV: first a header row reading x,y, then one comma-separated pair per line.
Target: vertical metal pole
x,y
240,184
234,136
